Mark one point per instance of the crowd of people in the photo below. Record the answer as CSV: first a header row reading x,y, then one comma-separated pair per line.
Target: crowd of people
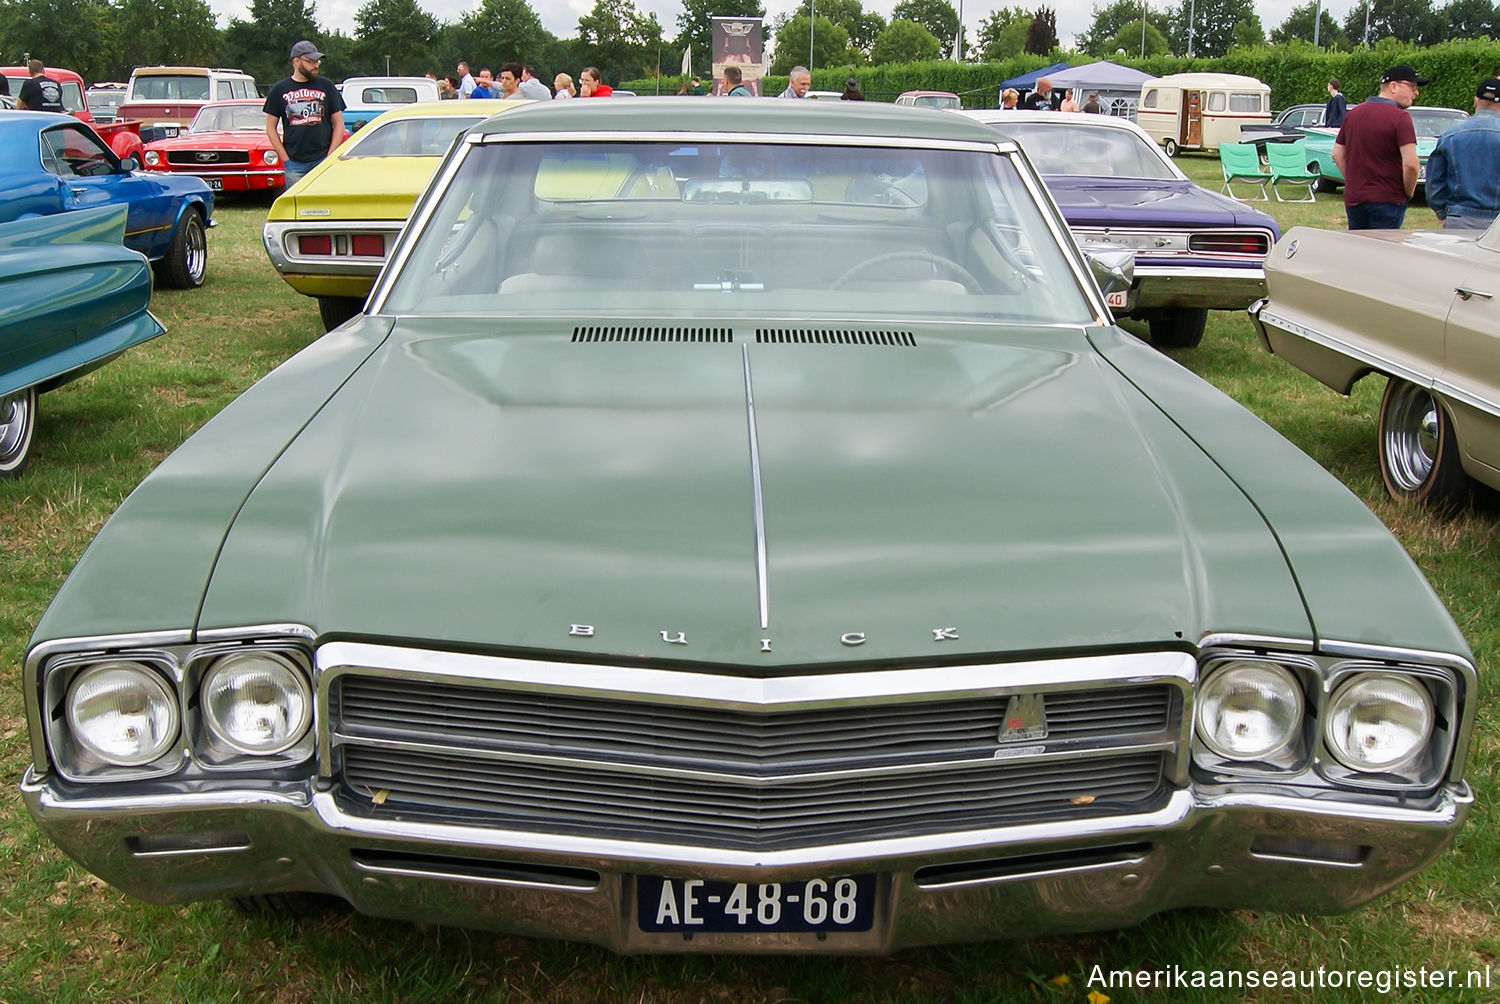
x,y
1045,98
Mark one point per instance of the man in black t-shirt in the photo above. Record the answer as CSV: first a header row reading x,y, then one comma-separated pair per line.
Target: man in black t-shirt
x,y
310,111
41,93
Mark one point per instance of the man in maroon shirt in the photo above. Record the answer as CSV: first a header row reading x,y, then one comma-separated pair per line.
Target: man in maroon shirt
x,y
1376,150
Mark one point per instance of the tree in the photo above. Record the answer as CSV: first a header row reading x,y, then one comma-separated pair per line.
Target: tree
x,y
1412,21
165,31
262,45
937,16
904,42
850,15
1041,37
1470,19
619,39
695,24
1003,33
1212,26
74,34
1248,32
1129,39
1299,25
498,31
1109,21
830,44
399,29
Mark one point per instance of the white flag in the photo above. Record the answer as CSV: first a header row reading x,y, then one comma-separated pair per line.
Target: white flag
x,y
687,61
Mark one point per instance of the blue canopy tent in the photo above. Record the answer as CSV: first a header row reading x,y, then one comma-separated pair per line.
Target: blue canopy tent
x,y
1027,81
1119,87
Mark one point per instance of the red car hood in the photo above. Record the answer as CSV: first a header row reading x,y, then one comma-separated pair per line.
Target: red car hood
x,y
237,140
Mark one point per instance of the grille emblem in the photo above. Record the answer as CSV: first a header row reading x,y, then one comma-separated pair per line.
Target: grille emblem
x,y
1025,718
206,156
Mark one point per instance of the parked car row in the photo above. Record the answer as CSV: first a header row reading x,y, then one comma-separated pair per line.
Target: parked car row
x,y
784,552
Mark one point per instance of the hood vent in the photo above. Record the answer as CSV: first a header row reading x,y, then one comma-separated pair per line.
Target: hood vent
x,y
642,334
815,336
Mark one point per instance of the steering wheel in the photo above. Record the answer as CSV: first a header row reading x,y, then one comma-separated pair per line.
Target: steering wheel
x,y
945,265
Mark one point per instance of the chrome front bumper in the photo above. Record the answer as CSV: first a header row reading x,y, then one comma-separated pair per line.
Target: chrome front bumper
x,y
1203,848
1211,288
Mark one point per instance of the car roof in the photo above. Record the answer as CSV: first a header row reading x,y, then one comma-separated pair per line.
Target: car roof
x,y
928,94
427,109
780,119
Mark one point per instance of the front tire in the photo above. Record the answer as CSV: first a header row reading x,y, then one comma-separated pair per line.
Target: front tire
x,y
186,263
17,427
1178,329
1419,459
335,310
1171,147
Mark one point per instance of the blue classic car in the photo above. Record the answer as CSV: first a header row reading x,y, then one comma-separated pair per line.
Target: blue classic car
x,y
56,164
71,299
1196,250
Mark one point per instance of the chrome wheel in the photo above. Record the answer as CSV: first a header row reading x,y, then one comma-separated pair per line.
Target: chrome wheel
x,y
1418,449
17,424
196,251
186,262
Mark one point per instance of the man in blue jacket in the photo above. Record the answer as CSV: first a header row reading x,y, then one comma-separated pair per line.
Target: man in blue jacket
x,y
1463,172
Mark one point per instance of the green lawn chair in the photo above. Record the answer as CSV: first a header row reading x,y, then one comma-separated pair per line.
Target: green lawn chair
x,y
1241,163
1289,166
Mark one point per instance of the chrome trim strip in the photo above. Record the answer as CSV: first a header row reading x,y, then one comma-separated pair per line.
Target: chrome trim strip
x,y
998,145
1221,275
269,632
813,690
454,875
757,497
1217,640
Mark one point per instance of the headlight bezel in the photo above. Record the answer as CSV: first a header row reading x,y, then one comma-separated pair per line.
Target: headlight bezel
x,y
211,745
1421,772
74,761
163,695
1292,754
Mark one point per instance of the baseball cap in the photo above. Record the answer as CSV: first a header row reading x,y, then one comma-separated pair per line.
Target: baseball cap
x,y
1488,89
1403,72
306,50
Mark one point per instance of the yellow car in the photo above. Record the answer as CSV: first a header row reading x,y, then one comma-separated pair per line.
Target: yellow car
x,y
329,235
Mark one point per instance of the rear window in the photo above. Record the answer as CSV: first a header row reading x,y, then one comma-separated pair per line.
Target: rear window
x,y
425,137
73,99
388,95
170,87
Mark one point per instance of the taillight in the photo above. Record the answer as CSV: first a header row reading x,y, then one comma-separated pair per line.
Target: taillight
x,y
315,244
1250,244
368,245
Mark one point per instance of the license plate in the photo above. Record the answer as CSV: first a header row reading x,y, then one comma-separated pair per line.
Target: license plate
x,y
1119,298
846,903
214,183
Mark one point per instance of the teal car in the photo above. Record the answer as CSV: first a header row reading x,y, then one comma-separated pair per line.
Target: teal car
x,y
1430,123
739,527
72,298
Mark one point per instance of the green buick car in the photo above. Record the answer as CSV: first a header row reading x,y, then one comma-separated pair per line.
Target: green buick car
x,y
737,528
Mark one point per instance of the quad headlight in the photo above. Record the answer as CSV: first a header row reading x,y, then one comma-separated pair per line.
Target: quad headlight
x,y
1249,710
122,713
257,703
1378,722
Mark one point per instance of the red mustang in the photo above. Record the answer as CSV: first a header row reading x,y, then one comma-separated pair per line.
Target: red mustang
x,y
226,147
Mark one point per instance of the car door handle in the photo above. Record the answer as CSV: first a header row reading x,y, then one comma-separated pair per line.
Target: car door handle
x,y
1464,293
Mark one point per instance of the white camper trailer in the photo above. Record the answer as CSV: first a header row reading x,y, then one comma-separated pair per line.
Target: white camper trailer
x,y
1198,111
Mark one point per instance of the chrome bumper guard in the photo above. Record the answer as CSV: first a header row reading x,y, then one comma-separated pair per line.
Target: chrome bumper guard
x,y
1213,288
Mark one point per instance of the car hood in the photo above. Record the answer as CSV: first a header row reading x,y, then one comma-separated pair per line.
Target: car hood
x,y
527,492
360,188
1115,201
219,140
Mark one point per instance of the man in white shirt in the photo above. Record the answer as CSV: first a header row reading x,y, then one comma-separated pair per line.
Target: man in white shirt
x,y
466,83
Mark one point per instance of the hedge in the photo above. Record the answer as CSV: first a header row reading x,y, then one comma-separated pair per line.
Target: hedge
x,y
1297,72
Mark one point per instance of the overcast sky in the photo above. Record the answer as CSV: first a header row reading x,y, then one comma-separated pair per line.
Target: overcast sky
x,y
561,16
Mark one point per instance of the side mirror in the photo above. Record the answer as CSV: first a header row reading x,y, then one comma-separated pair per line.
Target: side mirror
x,y
129,165
1113,267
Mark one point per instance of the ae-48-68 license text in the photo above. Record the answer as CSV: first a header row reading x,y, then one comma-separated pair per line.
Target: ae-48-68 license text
x,y
846,903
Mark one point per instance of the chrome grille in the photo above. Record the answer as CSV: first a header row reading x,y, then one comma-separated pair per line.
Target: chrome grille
x,y
497,756
218,158
784,813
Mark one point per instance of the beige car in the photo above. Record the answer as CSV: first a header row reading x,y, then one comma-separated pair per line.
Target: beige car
x,y
1418,307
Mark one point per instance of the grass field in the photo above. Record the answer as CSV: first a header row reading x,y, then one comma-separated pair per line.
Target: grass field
x,y
64,936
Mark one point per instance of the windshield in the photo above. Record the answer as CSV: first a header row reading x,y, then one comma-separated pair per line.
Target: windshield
x,y
415,137
1089,151
938,101
1431,123
170,87
702,230
229,118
